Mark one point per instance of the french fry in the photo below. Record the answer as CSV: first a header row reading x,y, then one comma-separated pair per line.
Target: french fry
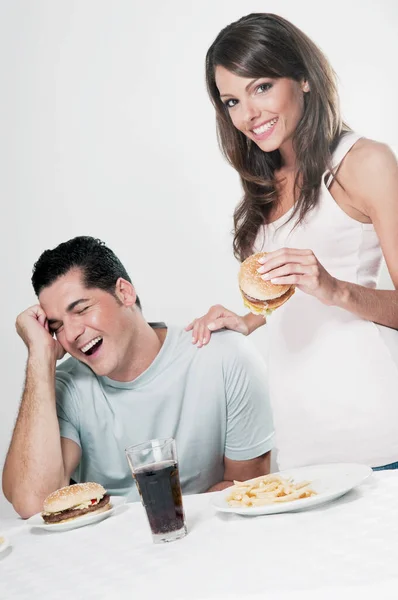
x,y
267,489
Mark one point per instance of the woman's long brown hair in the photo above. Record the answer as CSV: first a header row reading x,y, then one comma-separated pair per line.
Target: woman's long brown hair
x,y
266,45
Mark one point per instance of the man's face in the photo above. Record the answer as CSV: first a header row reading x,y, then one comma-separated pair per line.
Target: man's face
x,y
89,323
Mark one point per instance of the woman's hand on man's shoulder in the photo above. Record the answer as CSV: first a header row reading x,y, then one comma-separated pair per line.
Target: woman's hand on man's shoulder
x,y
218,317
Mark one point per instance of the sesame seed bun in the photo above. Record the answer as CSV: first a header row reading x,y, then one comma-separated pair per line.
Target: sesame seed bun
x,y
72,495
259,296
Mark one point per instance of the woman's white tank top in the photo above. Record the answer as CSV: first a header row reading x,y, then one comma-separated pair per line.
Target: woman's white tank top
x,y
333,376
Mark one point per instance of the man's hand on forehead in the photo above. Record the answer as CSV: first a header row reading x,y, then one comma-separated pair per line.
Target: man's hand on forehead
x,y
32,326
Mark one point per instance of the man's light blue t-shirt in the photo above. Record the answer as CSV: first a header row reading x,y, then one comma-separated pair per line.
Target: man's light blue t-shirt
x,y
212,400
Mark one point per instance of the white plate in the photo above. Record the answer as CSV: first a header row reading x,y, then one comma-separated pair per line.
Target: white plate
x,y
328,481
4,542
37,520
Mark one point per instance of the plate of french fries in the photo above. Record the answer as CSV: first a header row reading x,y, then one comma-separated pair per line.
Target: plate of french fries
x,y
292,490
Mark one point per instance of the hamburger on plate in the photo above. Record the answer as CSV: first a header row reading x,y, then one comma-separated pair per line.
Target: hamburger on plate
x,y
259,296
74,501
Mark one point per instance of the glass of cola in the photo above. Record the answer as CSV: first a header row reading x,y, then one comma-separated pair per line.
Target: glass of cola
x,y
154,467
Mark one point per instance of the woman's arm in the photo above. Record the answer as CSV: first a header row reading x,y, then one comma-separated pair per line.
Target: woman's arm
x,y
369,176
372,183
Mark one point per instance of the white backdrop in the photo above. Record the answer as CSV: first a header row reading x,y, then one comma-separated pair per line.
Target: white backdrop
x,y
106,130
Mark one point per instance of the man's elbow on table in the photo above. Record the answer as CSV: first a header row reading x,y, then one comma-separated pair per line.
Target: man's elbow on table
x,y
25,501
26,497
27,507
28,501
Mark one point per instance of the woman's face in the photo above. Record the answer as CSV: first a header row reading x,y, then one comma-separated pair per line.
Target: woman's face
x,y
265,110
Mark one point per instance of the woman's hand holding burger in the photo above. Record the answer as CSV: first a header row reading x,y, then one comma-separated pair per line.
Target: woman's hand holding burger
x,y
260,295
292,266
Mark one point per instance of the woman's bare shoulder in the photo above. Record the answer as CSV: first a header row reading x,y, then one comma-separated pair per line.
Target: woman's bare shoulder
x,y
367,168
369,154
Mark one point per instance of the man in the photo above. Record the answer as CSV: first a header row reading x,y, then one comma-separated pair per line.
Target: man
x,y
127,381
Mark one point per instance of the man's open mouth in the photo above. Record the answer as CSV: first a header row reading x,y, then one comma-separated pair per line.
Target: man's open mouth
x,y
92,346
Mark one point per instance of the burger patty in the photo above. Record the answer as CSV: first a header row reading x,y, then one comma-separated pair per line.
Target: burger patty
x,y
270,301
71,513
253,300
276,302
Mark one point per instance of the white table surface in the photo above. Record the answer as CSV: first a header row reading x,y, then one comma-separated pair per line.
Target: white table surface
x,y
345,549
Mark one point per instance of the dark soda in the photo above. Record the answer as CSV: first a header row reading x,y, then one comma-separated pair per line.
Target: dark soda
x,y
160,490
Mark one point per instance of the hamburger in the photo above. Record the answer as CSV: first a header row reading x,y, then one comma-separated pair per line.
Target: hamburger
x,y
74,501
259,296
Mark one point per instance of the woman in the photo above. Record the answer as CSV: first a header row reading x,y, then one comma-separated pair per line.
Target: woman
x,y
324,203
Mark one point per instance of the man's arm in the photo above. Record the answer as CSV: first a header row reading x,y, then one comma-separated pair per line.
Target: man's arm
x,y
37,462
249,431
241,470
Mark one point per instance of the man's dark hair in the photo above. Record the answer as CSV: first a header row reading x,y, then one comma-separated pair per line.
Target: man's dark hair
x,y
100,267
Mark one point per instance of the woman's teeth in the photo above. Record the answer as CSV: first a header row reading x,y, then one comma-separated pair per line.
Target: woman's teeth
x,y
265,127
87,347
